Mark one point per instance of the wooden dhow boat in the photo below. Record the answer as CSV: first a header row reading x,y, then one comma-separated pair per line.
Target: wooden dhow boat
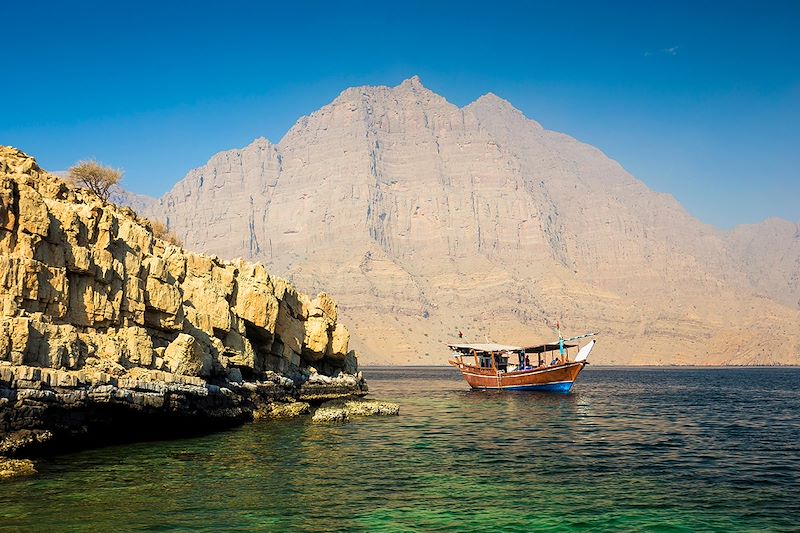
x,y
503,367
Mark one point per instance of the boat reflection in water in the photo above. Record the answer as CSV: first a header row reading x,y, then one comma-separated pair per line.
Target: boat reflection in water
x,y
499,366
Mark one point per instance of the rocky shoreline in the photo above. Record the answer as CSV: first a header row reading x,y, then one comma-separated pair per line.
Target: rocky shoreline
x,y
109,333
50,411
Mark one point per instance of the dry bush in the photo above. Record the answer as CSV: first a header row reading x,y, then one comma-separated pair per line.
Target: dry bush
x,y
95,177
161,231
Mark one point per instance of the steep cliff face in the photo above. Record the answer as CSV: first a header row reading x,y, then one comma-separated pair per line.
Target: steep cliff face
x,y
768,254
423,218
94,310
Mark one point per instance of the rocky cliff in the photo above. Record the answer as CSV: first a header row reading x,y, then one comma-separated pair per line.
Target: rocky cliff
x,y
105,329
423,218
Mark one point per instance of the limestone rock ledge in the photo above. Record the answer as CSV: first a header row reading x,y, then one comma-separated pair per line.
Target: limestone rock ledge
x,y
46,408
106,328
344,409
16,468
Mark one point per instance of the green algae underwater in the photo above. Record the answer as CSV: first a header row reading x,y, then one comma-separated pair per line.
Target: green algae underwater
x,y
627,450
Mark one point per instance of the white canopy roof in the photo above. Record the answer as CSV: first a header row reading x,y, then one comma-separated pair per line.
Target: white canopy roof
x,y
488,347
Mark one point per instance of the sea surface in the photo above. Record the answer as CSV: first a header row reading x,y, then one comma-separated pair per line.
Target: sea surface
x,y
627,450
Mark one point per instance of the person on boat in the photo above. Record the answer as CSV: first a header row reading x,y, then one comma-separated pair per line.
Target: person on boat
x,y
527,362
521,359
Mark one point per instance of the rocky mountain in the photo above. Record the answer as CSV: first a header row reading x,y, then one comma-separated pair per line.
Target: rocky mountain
x,y
423,218
105,327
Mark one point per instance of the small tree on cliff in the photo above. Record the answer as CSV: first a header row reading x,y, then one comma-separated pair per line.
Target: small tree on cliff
x,y
97,178
161,231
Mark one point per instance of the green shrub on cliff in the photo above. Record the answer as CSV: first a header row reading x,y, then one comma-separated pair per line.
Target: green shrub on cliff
x,y
161,231
95,177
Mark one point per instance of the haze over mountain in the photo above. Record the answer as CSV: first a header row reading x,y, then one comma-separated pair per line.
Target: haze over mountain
x,y
422,218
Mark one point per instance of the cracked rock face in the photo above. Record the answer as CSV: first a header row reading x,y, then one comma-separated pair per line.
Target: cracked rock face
x,y
94,310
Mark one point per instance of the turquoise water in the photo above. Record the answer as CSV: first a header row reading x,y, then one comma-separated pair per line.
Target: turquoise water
x,y
628,450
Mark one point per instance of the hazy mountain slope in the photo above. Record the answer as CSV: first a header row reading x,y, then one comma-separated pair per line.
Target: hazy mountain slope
x,y
222,207
768,254
423,218
138,202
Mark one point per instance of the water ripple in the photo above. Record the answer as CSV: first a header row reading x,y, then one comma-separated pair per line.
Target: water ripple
x,y
629,450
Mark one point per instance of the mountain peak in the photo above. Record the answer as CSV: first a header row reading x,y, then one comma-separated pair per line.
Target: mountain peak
x,y
412,86
441,216
491,100
412,83
260,142
491,104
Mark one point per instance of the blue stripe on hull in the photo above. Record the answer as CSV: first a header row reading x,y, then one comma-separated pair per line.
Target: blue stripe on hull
x,y
547,387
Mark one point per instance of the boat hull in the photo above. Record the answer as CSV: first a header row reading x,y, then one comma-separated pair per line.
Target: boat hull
x,y
558,378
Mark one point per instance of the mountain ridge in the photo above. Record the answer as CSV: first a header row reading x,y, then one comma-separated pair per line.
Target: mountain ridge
x,y
406,192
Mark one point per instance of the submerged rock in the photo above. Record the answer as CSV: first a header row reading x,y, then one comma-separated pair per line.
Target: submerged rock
x,y
283,410
10,468
343,409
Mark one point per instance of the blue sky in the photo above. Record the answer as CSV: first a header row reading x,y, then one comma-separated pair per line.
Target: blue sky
x,y
700,101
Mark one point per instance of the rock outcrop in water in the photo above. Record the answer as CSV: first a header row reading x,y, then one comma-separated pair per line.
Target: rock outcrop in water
x,y
107,331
